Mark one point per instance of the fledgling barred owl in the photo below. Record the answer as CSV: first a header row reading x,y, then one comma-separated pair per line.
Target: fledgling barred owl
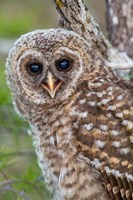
x,y
80,113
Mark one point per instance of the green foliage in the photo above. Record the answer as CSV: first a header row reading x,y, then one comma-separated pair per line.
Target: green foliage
x,y
4,91
17,22
15,26
19,17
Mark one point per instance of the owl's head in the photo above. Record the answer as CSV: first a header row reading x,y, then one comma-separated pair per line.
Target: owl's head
x,y
46,66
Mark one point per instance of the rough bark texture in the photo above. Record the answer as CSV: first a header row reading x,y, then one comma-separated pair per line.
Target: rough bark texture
x,y
120,24
75,16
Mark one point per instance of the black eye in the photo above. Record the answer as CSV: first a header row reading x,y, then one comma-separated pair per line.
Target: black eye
x,y
63,64
35,68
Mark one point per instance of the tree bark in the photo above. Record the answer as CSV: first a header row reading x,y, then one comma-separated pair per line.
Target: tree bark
x,y
76,17
120,24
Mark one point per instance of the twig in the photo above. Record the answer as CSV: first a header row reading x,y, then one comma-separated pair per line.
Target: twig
x,y
6,177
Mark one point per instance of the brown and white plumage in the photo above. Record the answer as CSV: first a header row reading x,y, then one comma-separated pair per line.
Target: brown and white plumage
x,y
81,118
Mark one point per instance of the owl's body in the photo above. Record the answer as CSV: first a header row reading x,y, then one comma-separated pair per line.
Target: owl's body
x,y
82,126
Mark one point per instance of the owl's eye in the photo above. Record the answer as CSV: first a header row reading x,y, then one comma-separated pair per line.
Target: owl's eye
x,y
64,64
35,68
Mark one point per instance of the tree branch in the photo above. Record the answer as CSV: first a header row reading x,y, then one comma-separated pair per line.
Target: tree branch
x,y
76,17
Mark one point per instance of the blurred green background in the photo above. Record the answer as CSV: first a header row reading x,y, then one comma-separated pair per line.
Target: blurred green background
x,y
20,176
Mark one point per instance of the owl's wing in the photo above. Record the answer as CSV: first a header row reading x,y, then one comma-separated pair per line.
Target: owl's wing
x,y
105,134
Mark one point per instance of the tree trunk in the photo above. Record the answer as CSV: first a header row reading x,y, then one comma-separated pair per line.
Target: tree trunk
x,y
120,24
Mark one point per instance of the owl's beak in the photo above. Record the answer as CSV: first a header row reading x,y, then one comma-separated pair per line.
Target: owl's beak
x,y
51,85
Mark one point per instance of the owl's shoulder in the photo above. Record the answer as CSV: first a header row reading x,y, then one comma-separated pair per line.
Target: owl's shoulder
x,y
103,111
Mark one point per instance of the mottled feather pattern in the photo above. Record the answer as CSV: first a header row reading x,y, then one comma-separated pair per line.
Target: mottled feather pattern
x,y
84,135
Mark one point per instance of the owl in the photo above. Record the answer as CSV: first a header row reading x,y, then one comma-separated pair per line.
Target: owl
x,y
80,114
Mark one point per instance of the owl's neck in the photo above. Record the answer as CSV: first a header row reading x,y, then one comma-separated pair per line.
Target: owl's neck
x,y
53,141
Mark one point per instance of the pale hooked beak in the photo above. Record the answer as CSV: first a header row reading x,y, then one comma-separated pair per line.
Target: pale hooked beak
x,y
51,85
